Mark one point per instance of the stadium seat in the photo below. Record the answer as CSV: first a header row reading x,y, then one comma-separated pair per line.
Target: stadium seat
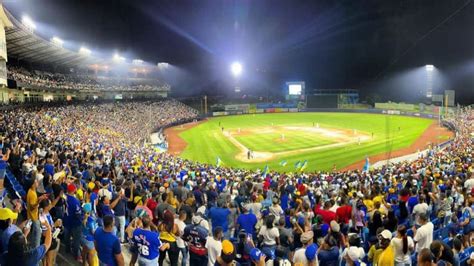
x,y
410,232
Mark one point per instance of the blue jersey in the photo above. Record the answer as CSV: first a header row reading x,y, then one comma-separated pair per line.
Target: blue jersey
x,y
196,236
73,216
89,228
147,242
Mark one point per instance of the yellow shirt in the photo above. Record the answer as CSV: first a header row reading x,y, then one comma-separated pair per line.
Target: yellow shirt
x,y
32,205
369,204
377,199
374,254
387,258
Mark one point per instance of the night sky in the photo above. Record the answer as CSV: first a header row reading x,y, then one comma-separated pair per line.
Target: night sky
x,y
368,45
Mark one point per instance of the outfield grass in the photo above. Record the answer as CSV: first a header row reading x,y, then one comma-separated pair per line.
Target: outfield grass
x,y
206,141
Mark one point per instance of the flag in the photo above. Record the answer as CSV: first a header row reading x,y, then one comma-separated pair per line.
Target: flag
x,y
303,165
283,163
298,165
218,162
265,171
367,164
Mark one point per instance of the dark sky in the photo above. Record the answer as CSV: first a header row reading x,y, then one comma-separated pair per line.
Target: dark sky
x,y
360,44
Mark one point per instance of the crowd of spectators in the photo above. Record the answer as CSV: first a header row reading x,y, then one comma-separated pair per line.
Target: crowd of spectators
x,y
72,81
91,179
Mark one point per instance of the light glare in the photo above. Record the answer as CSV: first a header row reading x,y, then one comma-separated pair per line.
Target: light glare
x,y
28,22
84,51
236,68
429,67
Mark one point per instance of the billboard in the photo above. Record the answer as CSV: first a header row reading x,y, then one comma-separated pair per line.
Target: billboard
x,y
295,88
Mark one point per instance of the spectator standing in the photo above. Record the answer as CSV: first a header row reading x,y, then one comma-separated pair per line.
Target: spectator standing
x,y
73,222
195,235
107,244
423,236
214,245
403,246
32,211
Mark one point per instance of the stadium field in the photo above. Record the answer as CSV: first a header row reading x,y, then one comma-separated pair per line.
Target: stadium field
x,y
281,140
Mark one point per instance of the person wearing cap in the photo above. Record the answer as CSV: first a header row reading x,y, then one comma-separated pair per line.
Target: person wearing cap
x,y
387,257
8,227
89,226
257,257
227,256
73,222
32,210
195,235
299,257
423,236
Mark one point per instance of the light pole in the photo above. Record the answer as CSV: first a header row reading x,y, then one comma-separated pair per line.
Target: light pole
x,y
429,80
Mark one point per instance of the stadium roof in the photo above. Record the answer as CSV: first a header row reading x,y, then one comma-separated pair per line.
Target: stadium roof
x,y
23,44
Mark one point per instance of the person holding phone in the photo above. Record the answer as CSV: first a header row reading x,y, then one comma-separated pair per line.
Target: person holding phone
x,y
20,254
45,217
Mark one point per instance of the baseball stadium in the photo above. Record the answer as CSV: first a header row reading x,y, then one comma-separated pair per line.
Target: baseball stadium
x,y
236,133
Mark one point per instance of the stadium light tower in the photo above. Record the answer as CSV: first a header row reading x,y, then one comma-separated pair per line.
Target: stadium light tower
x,y
429,80
28,22
84,51
236,69
57,41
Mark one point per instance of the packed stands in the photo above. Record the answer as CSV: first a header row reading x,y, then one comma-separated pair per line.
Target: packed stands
x,y
88,174
58,81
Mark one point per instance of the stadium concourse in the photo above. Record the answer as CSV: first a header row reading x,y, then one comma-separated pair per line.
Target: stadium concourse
x,y
79,177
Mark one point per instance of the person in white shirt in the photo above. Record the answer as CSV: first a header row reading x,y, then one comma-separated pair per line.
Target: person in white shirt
x,y
424,234
300,257
469,184
214,245
421,207
179,241
403,246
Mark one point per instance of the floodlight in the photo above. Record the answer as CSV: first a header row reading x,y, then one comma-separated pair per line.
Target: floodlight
x,y
28,22
118,58
137,62
163,65
236,69
84,51
429,67
57,41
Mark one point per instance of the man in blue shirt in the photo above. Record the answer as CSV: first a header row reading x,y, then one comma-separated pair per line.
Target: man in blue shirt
x,y
148,243
73,222
220,216
107,244
247,221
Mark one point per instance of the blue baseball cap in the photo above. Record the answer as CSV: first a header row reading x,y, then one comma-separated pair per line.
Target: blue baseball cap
x,y
255,254
310,252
